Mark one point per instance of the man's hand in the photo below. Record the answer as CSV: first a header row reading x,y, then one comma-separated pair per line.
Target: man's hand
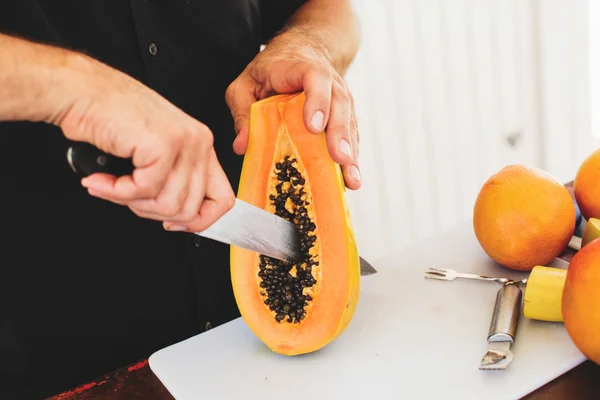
x,y
177,177
295,61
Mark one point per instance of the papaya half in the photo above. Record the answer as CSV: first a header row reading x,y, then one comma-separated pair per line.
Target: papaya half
x,y
296,308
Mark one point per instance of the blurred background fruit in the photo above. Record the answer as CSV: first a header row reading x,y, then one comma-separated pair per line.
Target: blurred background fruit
x,y
523,217
586,186
581,300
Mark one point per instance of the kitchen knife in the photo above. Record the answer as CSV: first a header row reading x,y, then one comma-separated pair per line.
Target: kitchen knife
x,y
244,226
366,268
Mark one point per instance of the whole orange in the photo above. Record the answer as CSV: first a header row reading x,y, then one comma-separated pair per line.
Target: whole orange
x,y
523,217
586,186
581,300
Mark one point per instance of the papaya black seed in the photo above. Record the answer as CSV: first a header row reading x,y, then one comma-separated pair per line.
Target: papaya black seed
x,y
284,291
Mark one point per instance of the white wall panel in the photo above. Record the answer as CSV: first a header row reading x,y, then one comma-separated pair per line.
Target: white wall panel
x,y
465,122
450,91
563,57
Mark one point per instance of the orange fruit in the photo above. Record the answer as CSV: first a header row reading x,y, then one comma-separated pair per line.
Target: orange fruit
x,y
586,186
581,300
523,217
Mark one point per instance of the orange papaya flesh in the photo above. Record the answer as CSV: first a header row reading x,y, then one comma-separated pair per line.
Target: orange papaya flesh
x,y
288,171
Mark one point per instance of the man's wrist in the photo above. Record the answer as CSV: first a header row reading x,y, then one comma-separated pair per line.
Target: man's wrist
x,y
300,38
38,82
329,27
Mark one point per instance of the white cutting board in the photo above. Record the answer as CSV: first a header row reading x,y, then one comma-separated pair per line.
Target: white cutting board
x,y
411,338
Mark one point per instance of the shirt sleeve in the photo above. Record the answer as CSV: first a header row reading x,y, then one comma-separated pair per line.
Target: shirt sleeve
x,y
275,13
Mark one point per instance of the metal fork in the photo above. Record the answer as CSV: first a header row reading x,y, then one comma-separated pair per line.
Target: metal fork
x,y
450,275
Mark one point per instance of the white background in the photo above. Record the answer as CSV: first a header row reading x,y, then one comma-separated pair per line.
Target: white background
x,y
450,91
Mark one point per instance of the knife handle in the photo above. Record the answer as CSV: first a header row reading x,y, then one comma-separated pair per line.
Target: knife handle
x,y
505,318
86,159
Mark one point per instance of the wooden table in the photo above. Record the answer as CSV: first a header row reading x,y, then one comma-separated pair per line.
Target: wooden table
x,y
136,381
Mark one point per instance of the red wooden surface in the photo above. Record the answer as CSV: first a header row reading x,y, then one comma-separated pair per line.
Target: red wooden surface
x,y
137,381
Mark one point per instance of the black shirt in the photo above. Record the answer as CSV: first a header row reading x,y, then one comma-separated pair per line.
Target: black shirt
x,y
85,285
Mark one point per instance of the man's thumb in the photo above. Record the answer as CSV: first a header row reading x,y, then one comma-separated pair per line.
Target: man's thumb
x,y
239,100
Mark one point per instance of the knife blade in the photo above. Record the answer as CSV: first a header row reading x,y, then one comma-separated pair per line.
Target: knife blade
x,y
366,268
258,230
245,225
503,327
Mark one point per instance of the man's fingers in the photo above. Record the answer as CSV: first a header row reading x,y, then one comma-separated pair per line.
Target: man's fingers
x,y
239,97
352,177
219,198
240,142
317,84
316,81
354,132
195,198
99,195
191,208
147,180
338,128
351,172
342,139
170,201
329,106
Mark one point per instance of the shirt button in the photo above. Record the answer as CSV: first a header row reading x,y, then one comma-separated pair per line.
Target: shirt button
x,y
152,48
197,241
208,325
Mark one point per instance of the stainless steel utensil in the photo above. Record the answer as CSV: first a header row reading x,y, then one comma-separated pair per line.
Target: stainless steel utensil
x,y
450,275
503,327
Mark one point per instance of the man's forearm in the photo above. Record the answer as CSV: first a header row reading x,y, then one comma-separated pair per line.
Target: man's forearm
x,y
334,25
34,81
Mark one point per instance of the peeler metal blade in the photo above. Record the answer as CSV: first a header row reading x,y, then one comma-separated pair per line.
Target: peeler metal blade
x,y
498,356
